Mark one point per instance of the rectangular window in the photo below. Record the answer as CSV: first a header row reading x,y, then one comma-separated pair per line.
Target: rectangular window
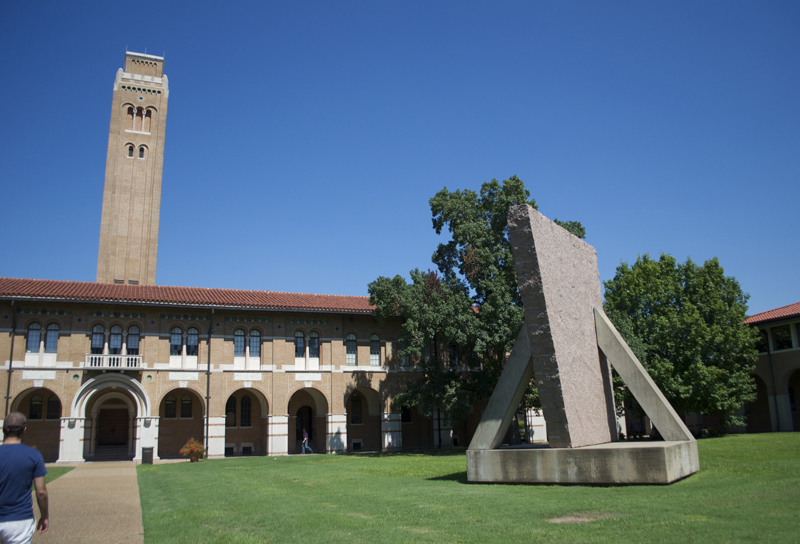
x,y
53,407
255,345
170,408
313,347
186,407
299,347
175,343
781,338
51,339
133,344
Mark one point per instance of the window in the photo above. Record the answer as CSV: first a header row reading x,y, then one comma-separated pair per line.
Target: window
x,y
453,354
98,339
176,341
374,350
130,151
351,345
313,345
761,343
115,340
192,340
141,152
36,407
170,407
230,412
255,344
781,338
405,414
34,336
245,418
186,407
299,345
238,343
405,360
355,409
133,340
51,339
53,407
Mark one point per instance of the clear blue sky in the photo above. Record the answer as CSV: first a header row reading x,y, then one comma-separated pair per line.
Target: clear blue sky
x,y
304,139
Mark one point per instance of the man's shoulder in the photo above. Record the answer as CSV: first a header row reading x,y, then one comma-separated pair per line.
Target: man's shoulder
x,y
20,451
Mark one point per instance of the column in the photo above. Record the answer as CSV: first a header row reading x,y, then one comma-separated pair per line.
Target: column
x,y
146,436
391,432
336,433
278,435
784,412
70,449
216,437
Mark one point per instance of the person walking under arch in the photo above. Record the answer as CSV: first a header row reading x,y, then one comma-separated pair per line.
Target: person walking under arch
x,y
19,466
304,444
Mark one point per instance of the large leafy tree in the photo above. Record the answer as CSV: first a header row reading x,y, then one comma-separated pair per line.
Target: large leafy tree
x,y
476,269
686,324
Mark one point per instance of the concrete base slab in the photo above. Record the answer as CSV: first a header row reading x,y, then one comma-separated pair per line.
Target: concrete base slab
x,y
615,463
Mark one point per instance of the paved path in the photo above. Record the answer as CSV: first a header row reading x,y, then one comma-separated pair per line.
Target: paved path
x,y
95,503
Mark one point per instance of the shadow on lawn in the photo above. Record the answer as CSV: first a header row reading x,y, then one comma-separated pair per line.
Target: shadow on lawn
x,y
460,477
448,452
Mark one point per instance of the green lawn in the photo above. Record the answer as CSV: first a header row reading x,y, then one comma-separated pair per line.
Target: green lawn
x,y
54,471
748,490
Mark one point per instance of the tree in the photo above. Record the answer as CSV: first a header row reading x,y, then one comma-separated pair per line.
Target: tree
x,y
686,325
477,270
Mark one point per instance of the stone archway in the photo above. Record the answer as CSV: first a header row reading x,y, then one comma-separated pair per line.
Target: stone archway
x,y
113,417
43,409
180,417
308,409
363,408
246,421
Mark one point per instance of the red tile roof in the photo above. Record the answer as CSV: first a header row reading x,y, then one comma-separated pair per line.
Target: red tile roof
x,y
78,291
784,312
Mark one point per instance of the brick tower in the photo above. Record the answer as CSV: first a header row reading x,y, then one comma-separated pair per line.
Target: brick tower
x,y
132,192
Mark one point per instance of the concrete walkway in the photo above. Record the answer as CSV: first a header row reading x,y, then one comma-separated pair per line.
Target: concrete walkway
x,y
95,503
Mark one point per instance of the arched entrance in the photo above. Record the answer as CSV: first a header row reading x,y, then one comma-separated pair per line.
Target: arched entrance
x,y
113,415
363,407
42,407
246,419
756,413
308,409
180,417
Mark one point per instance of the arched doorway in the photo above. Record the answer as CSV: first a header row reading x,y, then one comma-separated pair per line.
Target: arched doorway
x,y
42,407
180,414
363,407
308,409
113,416
756,413
246,419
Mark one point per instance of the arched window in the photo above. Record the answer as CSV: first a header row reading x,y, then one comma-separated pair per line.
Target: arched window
x,y
34,337
313,345
245,418
133,340
238,343
186,407
170,407
141,152
176,341
255,344
352,348
53,407
51,339
148,118
130,123
115,340
299,345
98,339
230,412
130,151
374,350
355,409
192,340
36,407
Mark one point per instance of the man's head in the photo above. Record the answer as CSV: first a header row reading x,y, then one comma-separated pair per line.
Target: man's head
x,y
14,424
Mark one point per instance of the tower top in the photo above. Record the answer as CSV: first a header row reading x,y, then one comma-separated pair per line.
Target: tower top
x,y
144,64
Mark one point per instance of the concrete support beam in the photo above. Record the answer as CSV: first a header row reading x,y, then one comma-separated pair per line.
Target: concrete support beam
x,y
391,432
71,446
216,437
278,435
337,433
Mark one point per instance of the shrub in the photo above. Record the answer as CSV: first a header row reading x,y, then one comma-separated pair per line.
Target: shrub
x,y
193,450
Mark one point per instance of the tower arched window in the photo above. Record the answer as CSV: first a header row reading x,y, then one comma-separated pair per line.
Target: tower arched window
x,y
299,345
34,337
176,341
255,344
313,345
130,151
98,339
186,407
133,340
238,343
170,407
244,419
35,407
142,151
115,340
374,350
351,347
192,341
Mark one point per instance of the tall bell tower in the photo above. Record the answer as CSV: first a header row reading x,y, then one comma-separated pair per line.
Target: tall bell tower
x,y
132,192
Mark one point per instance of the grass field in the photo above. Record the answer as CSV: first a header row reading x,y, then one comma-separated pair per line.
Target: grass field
x,y
54,472
748,490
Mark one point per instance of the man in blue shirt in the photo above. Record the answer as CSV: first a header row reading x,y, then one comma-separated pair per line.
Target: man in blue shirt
x,y
19,466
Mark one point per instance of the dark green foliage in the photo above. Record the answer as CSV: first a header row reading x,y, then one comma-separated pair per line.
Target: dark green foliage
x,y
685,323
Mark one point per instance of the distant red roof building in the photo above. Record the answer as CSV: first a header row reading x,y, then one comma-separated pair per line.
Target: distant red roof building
x,y
784,312
76,291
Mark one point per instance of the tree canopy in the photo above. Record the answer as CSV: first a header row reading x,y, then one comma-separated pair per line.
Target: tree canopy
x,y
472,301
685,323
